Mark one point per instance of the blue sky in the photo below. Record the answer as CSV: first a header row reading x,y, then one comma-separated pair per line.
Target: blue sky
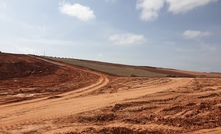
x,y
180,34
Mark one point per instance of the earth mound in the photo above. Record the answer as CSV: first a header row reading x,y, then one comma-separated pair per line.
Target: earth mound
x,y
19,66
25,77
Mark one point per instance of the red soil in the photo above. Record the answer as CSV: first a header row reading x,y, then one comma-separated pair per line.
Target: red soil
x,y
24,77
105,104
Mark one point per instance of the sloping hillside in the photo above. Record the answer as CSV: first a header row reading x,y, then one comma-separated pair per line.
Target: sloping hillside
x,y
77,100
25,77
129,70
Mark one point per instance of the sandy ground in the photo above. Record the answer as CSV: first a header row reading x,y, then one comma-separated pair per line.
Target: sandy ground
x,y
119,105
23,77
43,110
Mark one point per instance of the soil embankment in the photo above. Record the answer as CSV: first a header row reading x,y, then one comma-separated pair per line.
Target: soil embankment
x,y
43,96
24,77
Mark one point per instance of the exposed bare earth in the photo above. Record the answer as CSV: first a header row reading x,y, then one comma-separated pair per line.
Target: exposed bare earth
x,y
23,77
102,103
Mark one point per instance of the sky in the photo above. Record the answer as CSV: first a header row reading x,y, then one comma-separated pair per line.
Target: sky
x,y
179,34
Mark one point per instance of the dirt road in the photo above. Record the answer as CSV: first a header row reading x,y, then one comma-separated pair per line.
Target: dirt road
x,y
15,116
110,104
24,77
52,97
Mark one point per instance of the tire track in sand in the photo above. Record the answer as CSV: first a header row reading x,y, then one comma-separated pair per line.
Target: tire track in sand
x,y
41,110
22,113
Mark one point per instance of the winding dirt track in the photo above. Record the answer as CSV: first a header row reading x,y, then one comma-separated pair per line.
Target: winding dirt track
x,y
13,116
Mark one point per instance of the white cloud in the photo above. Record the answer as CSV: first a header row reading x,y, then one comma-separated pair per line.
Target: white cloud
x,y
182,6
127,39
192,34
149,9
81,12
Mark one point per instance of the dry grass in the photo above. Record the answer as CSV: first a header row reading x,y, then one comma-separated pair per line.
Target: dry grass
x,y
111,68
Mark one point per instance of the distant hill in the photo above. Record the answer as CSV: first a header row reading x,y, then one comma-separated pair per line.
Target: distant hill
x,y
18,65
129,70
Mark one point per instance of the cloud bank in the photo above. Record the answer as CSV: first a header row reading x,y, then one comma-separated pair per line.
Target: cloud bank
x,y
193,34
127,39
78,11
150,8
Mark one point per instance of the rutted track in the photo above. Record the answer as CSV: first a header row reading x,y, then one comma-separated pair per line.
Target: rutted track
x,y
41,111
101,82
23,113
